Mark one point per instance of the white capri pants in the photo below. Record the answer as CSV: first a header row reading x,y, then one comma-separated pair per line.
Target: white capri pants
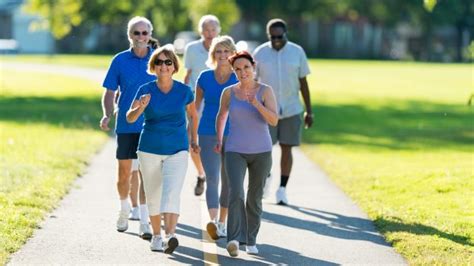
x,y
163,178
134,165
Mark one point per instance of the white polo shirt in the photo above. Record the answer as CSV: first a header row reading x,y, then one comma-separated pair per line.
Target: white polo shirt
x,y
282,70
195,57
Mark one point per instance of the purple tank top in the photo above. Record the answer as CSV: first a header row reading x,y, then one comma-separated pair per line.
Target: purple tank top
x,y
248,131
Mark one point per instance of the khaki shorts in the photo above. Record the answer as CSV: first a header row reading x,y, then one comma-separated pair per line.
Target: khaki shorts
x,y
288,131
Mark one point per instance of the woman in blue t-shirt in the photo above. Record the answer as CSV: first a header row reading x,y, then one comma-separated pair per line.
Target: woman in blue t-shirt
x,y
163,147
210,85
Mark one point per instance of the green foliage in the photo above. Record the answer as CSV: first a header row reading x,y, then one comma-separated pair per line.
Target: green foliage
x,y
62,15
168,16
429,4
226,10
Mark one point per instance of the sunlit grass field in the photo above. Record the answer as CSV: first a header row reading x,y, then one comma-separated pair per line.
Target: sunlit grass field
x,y
399,139
48,132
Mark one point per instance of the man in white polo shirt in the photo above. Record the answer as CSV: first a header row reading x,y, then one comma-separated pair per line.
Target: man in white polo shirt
x,y
283,65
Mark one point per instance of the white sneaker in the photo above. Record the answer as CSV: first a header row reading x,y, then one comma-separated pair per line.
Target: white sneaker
x,y
122,222
253,250
281,198
266,188
134,214
233,248
171,244
212,230
145,231
156,243
221,229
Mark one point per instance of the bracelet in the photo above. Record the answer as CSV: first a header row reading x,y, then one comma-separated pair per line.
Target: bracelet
x,y
309,115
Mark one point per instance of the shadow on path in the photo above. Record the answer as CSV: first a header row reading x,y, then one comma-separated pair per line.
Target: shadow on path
x,y
332,225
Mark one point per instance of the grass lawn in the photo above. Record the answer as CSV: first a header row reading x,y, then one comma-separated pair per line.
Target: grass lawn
x,y
48,132
399,139
94,61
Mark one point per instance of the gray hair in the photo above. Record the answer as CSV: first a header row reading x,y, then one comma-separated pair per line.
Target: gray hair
x,y
206,19
137,20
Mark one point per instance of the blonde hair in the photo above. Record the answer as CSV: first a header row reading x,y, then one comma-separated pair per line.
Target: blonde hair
x,y
137,20
206,19
168,51
225,41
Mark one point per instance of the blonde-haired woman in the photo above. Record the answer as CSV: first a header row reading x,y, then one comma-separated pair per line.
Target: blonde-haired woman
x,y
163,147
210,85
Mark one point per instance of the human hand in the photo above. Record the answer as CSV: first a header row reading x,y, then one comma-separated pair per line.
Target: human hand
x,y
144,100
195,148
218,147
104,123
251,98
308,120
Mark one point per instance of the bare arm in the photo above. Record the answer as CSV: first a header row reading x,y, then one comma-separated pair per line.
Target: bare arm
x,y
199,96
268,108
308,117
221,119
187,77
193,124
137,108
107,109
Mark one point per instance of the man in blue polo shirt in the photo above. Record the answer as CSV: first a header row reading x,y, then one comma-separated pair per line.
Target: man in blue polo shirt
x,y
127,73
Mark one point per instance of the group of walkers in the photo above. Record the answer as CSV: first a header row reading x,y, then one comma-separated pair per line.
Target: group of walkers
x,y
226,114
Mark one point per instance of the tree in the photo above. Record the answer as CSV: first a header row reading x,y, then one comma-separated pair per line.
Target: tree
x,y
61,15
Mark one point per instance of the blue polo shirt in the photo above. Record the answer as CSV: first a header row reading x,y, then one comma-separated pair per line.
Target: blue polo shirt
x,y
212,96
164,131
127,73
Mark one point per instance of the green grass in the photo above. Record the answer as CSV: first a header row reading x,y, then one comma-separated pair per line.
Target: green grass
x,y
399,139
48,132
94,61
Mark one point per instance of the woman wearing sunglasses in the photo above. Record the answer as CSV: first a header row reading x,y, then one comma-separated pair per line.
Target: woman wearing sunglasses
x,y
251,107
163,147
210,85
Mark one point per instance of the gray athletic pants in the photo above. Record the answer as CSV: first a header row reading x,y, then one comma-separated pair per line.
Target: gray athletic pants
x,y
243,220
212,163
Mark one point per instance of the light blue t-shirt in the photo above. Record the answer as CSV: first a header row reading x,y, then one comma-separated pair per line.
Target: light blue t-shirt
x,y
127,73
164,131
212,92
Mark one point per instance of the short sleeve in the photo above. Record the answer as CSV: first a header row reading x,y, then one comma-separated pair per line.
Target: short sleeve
x,y
188,56
141,91
112,77
304,67
201,81
189,95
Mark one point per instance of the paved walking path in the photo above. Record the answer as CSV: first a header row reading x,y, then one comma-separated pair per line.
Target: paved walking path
x,y
322,226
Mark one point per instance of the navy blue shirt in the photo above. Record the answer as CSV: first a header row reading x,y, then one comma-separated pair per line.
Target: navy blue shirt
x,y
164,131
127,73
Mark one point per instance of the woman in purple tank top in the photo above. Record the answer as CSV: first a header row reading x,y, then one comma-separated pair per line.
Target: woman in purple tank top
x,y
251,107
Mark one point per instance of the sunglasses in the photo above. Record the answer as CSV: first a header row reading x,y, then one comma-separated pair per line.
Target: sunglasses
x,y
137,33
159,62
277,37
